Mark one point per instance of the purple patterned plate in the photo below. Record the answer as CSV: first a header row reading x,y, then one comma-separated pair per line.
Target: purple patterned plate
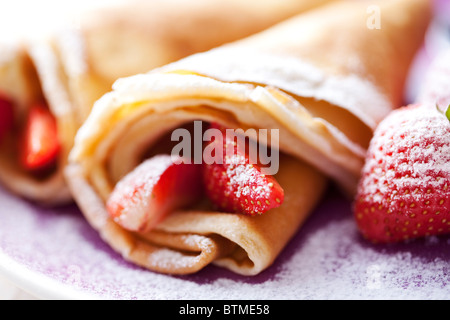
x,y
54,254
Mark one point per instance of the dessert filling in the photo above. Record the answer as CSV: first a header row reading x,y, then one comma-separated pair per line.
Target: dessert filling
x,y
227,179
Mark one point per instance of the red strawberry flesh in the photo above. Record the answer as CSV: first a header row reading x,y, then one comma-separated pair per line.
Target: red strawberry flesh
x,y
158,186
41,145
236,185
404,191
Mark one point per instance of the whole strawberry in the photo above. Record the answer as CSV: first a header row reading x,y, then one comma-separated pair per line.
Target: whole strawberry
x,y
404,191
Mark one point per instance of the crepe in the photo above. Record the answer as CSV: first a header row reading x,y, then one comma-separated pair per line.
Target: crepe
x,y
323,79
75,64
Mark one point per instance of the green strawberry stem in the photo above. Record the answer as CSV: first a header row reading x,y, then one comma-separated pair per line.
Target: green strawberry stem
x,y
447,112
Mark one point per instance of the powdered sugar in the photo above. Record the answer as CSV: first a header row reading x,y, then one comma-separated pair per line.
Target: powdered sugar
x,y
297,77
419,141
166,258
134,194
244,176
326,260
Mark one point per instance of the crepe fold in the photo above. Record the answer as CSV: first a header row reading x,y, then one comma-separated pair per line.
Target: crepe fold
x,y
20,82
322,79
71,66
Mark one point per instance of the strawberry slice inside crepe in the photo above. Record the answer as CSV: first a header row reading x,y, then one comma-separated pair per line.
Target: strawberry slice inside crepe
x,y
41,145
236,184
162,184
155,188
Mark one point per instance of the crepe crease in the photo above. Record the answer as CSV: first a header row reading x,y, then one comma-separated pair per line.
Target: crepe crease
x,y
323,79
72,66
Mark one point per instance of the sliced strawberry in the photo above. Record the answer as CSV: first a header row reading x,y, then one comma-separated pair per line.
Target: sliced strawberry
x,y
152,190
235,184
41,145
404,191
6,115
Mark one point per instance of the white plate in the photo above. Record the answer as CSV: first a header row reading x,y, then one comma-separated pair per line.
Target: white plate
x,y
55,254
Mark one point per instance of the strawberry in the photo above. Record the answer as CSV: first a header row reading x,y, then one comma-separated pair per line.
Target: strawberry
x,y
235,184
404,191
152,190
6,115
41,145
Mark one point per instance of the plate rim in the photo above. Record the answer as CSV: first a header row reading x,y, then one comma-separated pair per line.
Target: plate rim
x,y
37,284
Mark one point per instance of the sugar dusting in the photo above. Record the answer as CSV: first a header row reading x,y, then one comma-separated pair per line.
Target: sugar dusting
x,y
416,164
242,176
167,258
326,260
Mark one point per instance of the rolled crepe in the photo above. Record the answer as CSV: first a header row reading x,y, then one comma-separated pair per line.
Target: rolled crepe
x,y
74,65
435,90
20,82
323,79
